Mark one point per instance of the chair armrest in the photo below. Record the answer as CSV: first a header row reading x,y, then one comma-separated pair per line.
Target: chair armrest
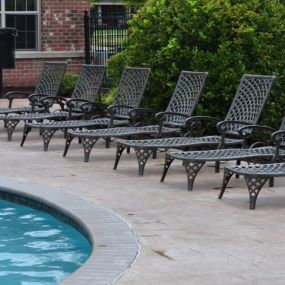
x,y
201,125
113,109
48,101
161,117
35,99
141,116
247,131
15,95
278,137
231,127
96,109
75,103
118,112
256,135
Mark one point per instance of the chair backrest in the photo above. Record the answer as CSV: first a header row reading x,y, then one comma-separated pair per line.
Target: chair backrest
x,y
50,78
250,99
186,95
131,88
88,83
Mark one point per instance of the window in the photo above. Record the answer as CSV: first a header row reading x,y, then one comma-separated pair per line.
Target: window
x,y
24,16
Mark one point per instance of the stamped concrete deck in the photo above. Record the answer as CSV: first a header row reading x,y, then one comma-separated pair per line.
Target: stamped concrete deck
x,y
185,237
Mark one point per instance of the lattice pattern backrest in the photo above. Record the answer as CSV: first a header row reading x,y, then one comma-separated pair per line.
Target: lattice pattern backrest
x,y
131,87
50,78
186,94
250,98
89,82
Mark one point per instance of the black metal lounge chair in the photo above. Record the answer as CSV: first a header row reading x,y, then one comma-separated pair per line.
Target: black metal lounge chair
x,y
85,91
245,109
48,85
129,94
256,175
182,105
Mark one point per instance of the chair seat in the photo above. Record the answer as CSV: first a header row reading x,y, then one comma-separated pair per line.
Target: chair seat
x,y
19,110
70,124
178,142
35,116
259,170
226,154
122,132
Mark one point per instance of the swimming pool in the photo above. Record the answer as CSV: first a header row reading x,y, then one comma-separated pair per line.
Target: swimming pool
x,y
36,248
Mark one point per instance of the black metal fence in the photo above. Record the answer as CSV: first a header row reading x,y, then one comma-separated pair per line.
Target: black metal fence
x,y
104,36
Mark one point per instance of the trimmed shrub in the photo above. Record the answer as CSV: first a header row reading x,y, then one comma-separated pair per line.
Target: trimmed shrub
x,y
227,38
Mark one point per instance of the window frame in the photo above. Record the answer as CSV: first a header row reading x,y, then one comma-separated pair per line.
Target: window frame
x,y
37,13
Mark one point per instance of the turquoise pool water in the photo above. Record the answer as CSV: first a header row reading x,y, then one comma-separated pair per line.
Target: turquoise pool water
x,y
36,248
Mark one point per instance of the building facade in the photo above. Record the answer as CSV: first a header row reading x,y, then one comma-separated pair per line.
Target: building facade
x,y
48,30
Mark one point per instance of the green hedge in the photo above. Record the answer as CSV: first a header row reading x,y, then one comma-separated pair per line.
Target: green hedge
x,y
227,38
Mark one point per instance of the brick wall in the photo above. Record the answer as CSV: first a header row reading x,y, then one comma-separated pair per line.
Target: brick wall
x,y
62,30
62,25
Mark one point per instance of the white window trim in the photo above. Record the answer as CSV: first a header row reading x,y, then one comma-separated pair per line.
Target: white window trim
x,y
38,13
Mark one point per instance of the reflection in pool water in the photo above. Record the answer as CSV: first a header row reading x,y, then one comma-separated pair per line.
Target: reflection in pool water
x,y
36,248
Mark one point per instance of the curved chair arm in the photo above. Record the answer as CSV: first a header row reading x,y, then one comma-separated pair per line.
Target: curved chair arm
x,y
161,117
200,125
35,100
75,103
261,135
140,116
48,101
246,132
198,120
278,137
231,127
118,112
15,95
164,118
97,109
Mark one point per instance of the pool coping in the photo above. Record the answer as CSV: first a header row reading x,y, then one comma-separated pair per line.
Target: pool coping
x,y
115,244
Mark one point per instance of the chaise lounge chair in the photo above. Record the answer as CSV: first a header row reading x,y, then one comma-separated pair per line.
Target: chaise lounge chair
x,y
85,91
245,109
256,175
48,85
128,96
182,105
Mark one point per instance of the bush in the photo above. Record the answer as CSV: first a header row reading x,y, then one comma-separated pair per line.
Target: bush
x,y
227,38
68,84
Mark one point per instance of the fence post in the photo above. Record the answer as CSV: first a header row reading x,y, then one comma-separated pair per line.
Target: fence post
x,y
87,37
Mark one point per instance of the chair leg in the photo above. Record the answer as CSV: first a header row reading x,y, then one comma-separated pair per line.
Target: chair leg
x,y
254,186
167,163
217,166
237,163
226,179
47,135
88,144
108,140
120,150
27,129
68,141
192,169
142,156
10,127
271,182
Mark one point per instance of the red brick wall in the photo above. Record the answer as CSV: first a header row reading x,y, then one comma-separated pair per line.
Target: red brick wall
x,y
62,25
62,29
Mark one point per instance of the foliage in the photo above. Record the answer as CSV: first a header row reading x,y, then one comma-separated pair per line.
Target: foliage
x,y
227,38
68,84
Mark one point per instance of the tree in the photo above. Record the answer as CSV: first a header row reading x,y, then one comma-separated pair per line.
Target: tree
x,y
227,38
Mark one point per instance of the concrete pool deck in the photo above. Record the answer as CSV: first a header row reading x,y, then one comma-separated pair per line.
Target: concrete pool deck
x,y
185,237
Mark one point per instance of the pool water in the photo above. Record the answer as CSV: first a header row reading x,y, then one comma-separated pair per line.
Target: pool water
x,y
36,248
